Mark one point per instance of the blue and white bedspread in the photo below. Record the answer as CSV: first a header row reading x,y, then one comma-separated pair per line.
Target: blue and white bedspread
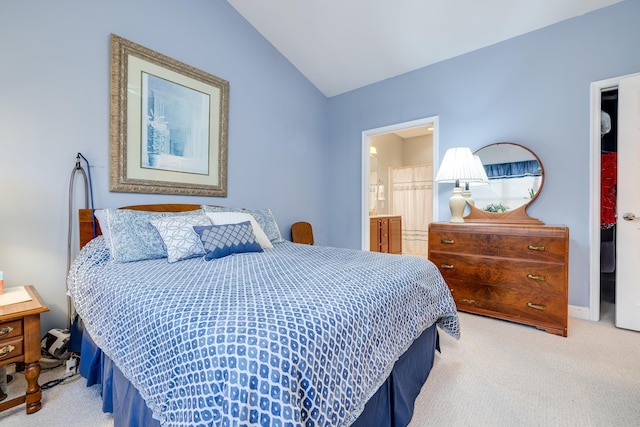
x,y
296,335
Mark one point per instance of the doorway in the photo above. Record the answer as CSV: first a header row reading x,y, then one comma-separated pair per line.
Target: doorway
x,y
624,93
595,210
389,155
608,191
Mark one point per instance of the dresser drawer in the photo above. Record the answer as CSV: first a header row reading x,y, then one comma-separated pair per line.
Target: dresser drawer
x,y
459,242
502,272
534,248
511,304
531,245
10,329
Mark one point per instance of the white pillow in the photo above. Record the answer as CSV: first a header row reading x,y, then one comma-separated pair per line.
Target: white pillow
x,y
179,237
101,216
221,218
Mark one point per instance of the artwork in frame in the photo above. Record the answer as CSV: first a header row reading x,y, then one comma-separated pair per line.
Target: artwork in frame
x,y
168,124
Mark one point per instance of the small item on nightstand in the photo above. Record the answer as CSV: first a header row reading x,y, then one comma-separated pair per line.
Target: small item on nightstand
x,y
1,282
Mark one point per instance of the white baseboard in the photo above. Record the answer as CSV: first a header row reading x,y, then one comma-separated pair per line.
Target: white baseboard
x,y
579,312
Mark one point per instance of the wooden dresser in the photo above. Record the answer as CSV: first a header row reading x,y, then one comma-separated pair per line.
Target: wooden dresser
x,y
511,272
386,234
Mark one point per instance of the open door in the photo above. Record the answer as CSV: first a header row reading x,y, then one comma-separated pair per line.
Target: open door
x,y
628,206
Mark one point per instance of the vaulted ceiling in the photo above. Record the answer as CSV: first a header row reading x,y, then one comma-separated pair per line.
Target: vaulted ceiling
x,y
341,45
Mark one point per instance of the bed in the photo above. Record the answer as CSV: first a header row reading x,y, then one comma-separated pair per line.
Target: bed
x,y
285,335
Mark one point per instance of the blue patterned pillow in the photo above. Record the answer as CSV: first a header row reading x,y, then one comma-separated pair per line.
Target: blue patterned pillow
x,y
132,236
264,217
178,235
222,240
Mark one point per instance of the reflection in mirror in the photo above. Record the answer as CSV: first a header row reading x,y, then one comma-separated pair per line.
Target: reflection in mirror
x,y
515,177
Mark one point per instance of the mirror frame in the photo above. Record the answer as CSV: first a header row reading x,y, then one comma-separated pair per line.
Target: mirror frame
x,y
516,216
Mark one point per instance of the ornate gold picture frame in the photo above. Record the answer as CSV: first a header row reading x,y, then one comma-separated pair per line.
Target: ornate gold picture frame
x,y
168,125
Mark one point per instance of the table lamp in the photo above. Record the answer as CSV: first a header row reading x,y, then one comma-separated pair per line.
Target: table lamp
x,y
458,166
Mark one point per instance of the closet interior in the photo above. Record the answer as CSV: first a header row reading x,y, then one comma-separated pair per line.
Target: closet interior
x,y
608,176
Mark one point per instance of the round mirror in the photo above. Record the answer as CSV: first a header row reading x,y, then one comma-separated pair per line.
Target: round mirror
x,y
515,178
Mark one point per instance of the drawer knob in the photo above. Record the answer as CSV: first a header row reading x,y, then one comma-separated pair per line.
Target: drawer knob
x,y
536,306
6,350
5,331
447,241
535,277
536,248
447,266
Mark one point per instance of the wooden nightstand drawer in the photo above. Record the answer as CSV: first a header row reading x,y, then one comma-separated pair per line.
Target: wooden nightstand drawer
x,y
11,348
10,329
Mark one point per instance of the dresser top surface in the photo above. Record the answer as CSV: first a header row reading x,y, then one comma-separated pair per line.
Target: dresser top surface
x,y
492,226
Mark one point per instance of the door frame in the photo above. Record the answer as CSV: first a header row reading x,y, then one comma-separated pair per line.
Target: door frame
x,y
366,143
594,195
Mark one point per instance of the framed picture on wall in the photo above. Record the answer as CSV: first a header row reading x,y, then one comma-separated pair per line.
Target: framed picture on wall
x,y
168,124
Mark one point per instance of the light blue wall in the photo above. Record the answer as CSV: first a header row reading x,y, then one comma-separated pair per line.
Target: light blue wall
x,y
54,103
533,90
290,148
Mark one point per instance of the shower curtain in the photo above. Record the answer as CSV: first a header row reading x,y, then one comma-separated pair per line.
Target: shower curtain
x,y
412,198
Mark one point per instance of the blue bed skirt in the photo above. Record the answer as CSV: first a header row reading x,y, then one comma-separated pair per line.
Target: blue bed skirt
x,y
391,406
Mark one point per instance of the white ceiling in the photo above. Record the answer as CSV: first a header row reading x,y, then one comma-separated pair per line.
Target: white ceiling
x,y
341,45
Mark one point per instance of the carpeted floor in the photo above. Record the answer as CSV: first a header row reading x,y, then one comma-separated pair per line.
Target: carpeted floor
x,y
497,374
503,374
68,404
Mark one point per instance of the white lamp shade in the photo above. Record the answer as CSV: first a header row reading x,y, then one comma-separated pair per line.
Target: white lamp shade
x,y
458,165
480,173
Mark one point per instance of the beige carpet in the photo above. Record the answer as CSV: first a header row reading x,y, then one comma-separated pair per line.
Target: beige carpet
x,y
497,374
503,374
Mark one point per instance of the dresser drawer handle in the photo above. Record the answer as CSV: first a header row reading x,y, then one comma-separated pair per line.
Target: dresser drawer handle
x,y
534,277
536,248
536,306
447,241
447,266
6,350
5,331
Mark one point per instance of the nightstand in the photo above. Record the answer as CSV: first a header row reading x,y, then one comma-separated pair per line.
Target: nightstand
x,y
20,343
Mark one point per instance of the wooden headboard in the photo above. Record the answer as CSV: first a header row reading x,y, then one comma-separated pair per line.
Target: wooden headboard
x,y
86,218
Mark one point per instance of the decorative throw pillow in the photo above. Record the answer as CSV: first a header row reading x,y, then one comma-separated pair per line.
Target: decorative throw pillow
x,y
178,235
223,240
221,218
264,217
132,236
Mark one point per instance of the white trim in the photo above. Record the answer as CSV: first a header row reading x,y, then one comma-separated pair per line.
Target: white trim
x,y
366,135
579,312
